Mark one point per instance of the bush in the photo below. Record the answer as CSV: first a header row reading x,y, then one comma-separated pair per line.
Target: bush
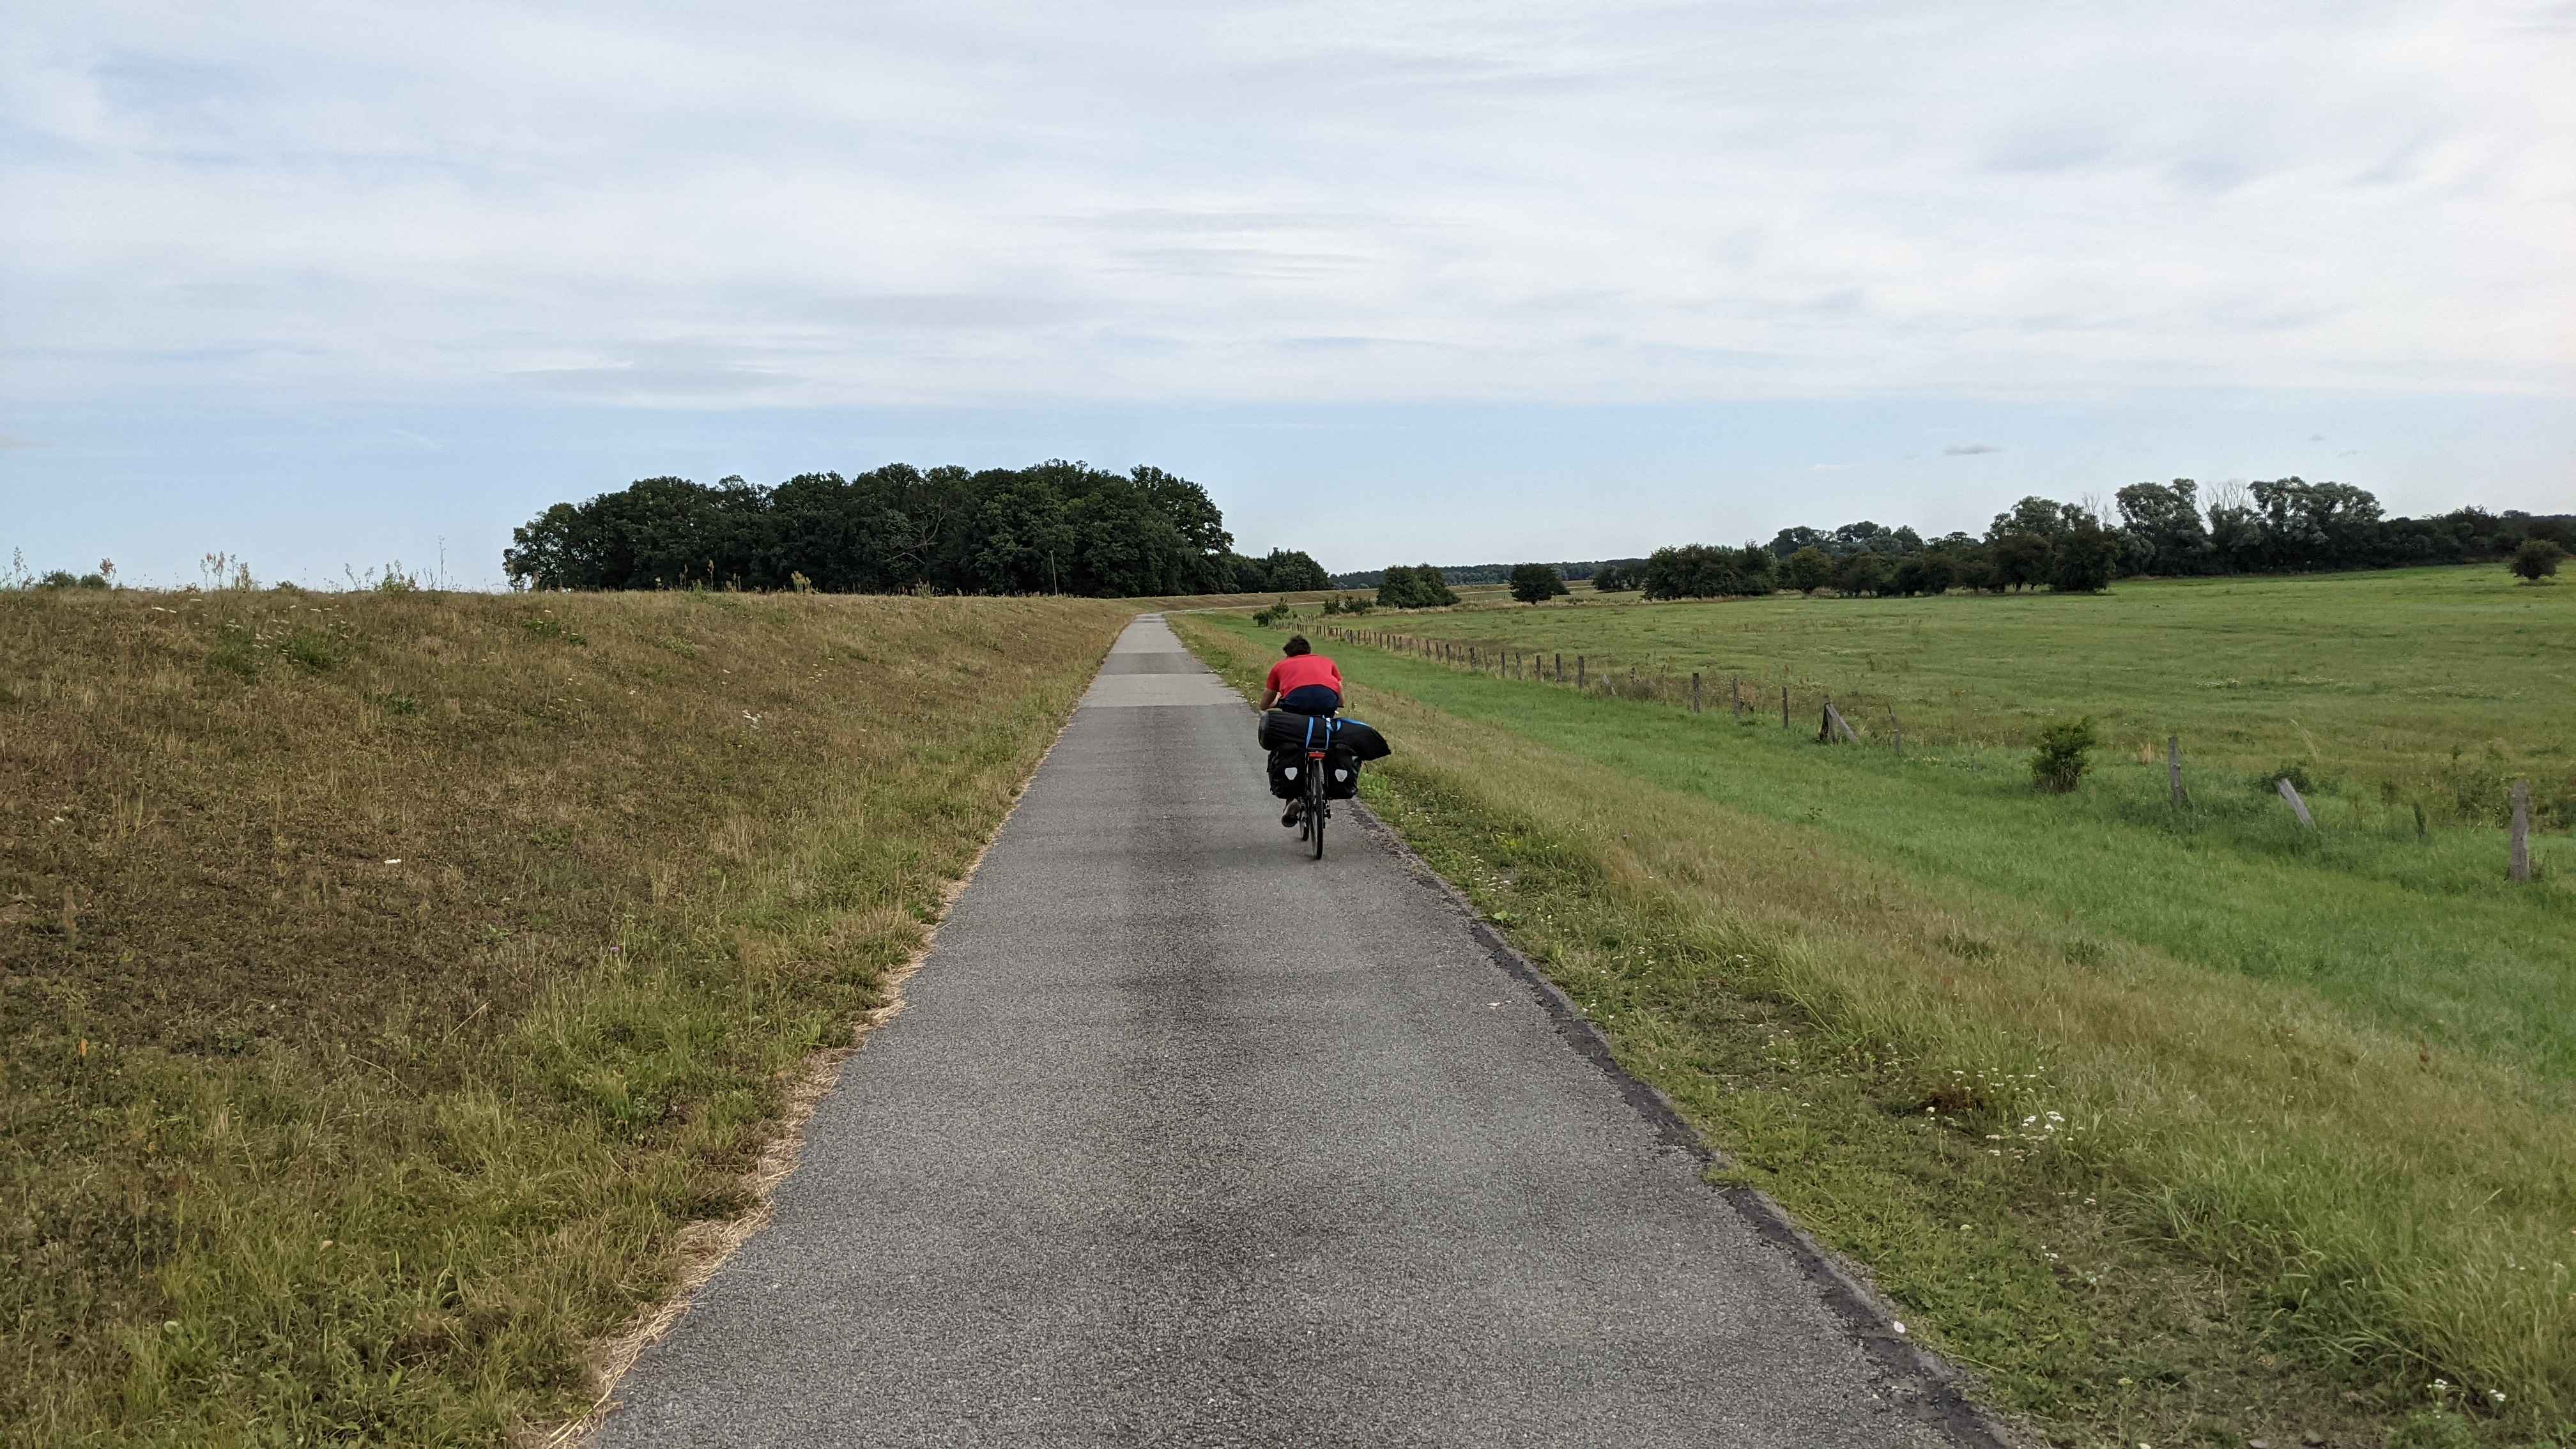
x,y
59,579
1278,613
1347,604
2064,754
2297,774
1415,588
2536,560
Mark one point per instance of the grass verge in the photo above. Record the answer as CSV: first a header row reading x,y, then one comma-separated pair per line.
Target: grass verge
x,y
2146,1201
386,982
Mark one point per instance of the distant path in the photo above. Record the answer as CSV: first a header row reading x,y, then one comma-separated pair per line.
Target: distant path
x,y
1184,1138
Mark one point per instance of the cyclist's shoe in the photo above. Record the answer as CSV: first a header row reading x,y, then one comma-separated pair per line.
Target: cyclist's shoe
x,y
1296,811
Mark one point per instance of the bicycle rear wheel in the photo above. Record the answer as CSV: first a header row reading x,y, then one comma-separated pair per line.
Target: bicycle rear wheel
x,y
1317,810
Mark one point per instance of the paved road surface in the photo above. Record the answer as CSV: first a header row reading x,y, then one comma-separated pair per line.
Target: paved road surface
x,y
1184,1138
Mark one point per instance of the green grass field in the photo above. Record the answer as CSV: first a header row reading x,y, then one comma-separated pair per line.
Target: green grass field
x,y
2312,1149
2419,686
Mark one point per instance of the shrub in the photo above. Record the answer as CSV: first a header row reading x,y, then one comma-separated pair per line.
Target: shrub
x,y
2064,754
2536,560
1421,587
58,579
311,652
1278,613
2302,779
93,581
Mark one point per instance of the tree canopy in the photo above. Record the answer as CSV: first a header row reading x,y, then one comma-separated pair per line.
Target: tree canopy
x,y
1536,583
1057,527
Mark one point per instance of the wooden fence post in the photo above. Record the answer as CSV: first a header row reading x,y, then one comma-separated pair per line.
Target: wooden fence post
x,y
1825,723
1694,693
1578,671
1784,706
1735,693
2173,770
2298,806
2518,864
1560,669
1897,731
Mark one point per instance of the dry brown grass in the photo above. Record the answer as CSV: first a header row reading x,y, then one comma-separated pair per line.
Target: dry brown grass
x,y
385,981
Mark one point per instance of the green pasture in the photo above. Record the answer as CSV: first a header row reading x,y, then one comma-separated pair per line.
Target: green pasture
x,y
2431,686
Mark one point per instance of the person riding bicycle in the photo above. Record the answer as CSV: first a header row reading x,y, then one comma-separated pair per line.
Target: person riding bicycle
x,y
1304,682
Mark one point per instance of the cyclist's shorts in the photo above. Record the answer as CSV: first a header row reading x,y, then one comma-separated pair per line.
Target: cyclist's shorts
x,y
1311,699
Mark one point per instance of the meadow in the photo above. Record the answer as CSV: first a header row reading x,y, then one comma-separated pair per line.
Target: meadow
x,y
2177,1126
395,988
2430,686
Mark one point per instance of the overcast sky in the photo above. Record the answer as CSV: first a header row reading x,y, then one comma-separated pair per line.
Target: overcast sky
x,y
320,284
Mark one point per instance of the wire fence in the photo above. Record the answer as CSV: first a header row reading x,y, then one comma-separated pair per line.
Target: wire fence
x,y
1804,704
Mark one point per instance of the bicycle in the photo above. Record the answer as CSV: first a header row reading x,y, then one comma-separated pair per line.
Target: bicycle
x,y
1319,804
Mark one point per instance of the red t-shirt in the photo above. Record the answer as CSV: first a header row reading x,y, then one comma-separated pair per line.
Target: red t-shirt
x,y
1299,670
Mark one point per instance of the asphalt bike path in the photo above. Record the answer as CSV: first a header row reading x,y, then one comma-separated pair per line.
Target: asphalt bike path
x,y
1185,1138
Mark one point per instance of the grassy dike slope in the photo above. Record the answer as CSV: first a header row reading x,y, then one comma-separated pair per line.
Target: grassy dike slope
x,y
386,981
2149,1198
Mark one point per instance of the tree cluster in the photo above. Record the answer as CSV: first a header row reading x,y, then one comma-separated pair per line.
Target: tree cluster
x,y
1708,571
2281,525
1414,588
1057,527
1536,583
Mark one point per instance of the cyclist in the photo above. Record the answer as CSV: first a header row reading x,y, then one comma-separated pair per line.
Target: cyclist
x,y
1304,682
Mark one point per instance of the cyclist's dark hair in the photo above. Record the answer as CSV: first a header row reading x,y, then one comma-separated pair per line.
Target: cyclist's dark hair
x,y
1297,645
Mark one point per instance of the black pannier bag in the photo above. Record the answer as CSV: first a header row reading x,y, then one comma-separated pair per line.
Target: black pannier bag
x,y
1288,774
1341,775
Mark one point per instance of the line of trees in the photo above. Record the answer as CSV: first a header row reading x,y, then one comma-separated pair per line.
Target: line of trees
x,y
1057,527
1575,570
2286,525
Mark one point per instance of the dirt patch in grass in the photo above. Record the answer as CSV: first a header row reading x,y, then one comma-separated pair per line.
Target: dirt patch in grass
x,y
386,982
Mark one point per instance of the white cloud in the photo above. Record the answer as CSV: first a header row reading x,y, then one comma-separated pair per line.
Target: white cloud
x,y
1969,450
1550,200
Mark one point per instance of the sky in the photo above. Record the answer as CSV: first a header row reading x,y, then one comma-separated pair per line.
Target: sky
x,y
322,286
